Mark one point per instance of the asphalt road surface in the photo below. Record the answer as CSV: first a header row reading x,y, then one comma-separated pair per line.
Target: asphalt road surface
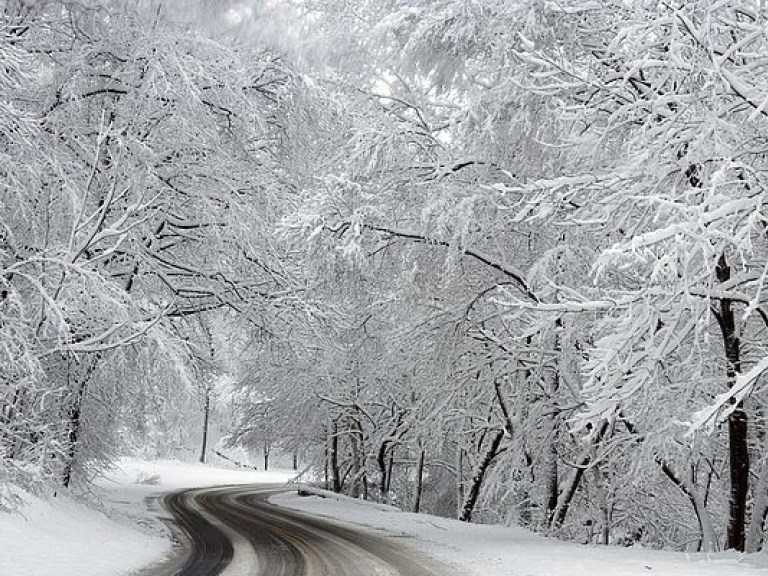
x,y
234,531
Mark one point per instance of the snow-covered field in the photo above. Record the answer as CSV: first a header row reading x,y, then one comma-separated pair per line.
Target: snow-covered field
x,y
63,537
508,551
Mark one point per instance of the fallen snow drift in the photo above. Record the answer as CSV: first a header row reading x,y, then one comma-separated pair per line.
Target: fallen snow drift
x,y
509,551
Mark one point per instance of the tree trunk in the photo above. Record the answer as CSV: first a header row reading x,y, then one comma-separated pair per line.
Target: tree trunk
x,y
74,417
206,415
552,472
477,479
566,496
73,437
759,511
605,511
381,460
326,466
709,541
739,472
553,483
419,482
359,481
459,479
738,449
335,474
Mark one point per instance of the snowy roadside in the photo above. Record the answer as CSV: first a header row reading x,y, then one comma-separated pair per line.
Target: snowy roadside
x,y
509,551
65,537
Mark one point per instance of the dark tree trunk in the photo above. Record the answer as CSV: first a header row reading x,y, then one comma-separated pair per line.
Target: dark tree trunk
x,y
566,496
206,416
335,474
552,480
419,482
477,479
73,434
553,474
74,417
738,449
381,460
739,471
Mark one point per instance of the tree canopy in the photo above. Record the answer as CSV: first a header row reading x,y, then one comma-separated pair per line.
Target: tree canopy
x,y
498,260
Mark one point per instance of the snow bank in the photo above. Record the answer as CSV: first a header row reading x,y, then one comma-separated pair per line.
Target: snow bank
x,y
510,551
62,537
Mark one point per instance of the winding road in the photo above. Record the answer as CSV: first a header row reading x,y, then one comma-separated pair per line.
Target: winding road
x,y
235,531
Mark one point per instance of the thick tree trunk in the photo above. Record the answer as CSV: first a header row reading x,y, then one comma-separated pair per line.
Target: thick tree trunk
x,y
738,449
739,472
477,479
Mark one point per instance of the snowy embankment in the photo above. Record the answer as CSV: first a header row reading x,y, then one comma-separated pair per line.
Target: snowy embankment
x,y
64,537
509,551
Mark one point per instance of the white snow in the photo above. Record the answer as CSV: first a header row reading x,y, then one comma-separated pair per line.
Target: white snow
x,y
64,537
509,551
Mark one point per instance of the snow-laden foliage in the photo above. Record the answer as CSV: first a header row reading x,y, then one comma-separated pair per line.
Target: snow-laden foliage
x,y
140,177
571,194
499,260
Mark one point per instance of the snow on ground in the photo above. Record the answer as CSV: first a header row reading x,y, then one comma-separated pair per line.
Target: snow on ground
x,y
64,537
509,551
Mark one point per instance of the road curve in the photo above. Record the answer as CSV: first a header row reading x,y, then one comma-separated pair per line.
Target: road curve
x,y
235,531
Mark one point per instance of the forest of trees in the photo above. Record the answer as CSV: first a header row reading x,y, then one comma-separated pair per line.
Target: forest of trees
x,y
491,259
